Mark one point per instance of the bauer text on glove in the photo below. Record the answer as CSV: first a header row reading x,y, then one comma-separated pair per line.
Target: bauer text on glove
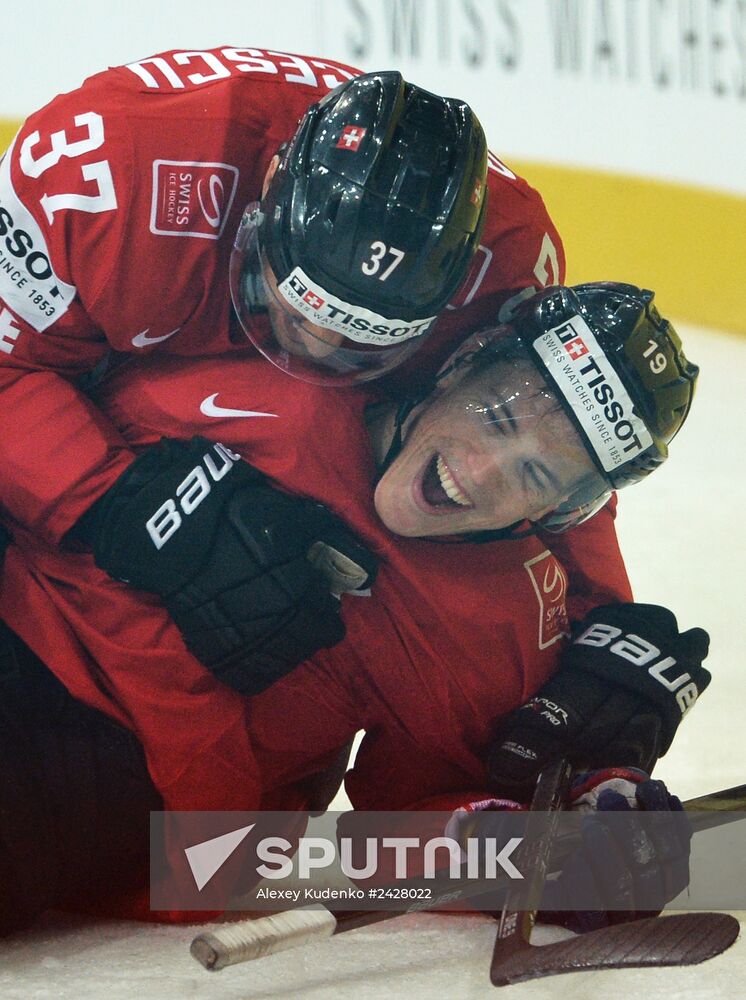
x,y
246,570
625,681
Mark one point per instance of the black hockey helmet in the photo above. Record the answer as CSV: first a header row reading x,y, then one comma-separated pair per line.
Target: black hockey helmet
x,y
620,372
368,227
608,359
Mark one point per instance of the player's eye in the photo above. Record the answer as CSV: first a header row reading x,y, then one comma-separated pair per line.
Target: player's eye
x,y
540,482
498,418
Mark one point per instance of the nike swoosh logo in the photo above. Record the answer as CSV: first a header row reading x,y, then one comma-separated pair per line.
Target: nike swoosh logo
x,y
210,408
143,340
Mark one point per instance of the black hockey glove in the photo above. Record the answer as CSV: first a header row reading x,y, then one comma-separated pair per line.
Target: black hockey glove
x,y
246,571
624,683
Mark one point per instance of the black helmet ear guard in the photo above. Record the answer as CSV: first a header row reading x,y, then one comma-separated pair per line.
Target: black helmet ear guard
x,y
371,220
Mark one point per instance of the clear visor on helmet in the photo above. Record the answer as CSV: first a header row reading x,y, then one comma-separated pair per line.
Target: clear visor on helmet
x,y
304,329
531,462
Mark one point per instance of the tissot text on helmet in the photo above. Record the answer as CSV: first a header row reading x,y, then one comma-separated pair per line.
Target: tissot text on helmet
x,y
581,371
355,322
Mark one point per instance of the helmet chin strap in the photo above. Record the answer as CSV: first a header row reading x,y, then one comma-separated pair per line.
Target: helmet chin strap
x,y
507,534
402,412
410,402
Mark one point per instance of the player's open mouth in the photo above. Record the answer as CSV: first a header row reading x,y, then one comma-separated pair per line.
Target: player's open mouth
x,y
439,487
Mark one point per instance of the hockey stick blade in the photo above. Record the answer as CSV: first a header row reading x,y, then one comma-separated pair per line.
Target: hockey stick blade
x,y
682,939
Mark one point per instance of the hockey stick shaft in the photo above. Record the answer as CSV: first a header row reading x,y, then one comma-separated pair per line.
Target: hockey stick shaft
x,y
521,903
241,941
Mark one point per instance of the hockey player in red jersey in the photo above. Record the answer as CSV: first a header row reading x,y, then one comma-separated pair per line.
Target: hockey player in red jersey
x,y
173,206
531,426
120,202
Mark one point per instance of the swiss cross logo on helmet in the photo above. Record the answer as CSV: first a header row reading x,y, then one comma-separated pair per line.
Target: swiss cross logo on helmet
x,y
314,301
351,137
576,348
476,194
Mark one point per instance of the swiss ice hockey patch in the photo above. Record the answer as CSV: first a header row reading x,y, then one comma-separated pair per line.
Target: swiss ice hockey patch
x,y
191,198
549,581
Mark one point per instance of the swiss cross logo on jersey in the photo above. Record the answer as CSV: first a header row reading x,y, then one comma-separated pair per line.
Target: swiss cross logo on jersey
x,y
576,348
549,581
191,198
351,138
314,301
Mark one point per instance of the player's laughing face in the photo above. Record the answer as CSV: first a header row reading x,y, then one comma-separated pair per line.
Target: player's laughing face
x,y
488,449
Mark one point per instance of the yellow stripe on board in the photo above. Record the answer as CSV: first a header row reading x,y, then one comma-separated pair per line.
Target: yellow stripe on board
x,y
685,243
7,131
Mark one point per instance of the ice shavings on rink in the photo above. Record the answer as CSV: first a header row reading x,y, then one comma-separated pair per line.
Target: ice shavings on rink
x,y
682,538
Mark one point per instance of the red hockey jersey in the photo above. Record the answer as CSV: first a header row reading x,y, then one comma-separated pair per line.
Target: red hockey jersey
x,y
451,638
119,202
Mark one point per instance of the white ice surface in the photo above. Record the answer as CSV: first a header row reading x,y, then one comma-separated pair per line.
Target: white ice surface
x,y
682,538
